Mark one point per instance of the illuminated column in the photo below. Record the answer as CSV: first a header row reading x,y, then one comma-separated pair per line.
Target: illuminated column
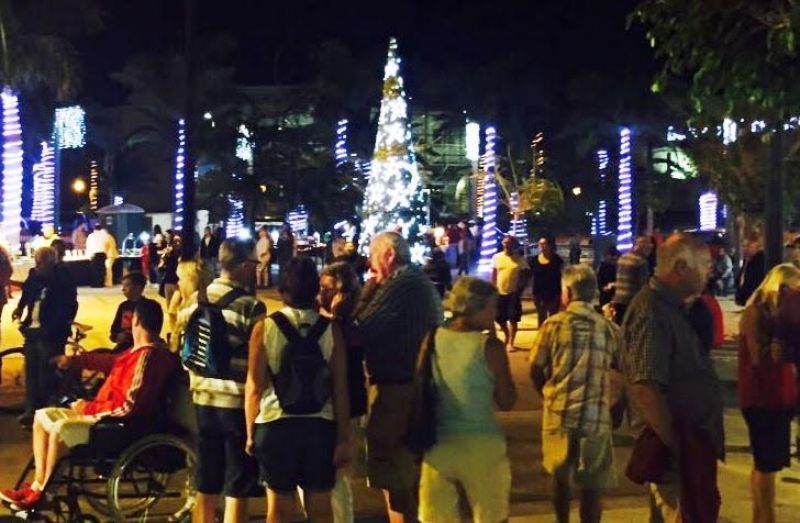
x,y
298,221
394,197
708,204
180,173
489,231
600,219
12,169
340,150
625,208
94,185
43,186
473,153
69,132
519,227
234,226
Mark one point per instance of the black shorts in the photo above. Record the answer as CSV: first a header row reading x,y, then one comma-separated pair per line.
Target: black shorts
x,y
296,452
770,437
223,467
509,308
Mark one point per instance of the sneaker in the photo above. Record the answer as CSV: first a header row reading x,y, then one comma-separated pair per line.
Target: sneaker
x,y
29,501
14,495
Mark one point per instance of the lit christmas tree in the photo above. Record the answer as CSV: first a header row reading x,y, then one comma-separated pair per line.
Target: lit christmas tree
x,y
394,198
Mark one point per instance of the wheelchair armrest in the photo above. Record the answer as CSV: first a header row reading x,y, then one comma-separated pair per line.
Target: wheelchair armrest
x,y
110,436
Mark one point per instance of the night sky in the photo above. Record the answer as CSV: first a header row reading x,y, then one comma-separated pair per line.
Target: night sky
x,y
553,40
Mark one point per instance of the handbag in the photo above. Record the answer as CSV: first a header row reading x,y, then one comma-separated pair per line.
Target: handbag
x,y
421,429
649,459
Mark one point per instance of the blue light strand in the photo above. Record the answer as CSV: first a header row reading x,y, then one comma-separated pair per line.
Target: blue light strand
x,y
44,172
489,231
625,208
180,172
12,168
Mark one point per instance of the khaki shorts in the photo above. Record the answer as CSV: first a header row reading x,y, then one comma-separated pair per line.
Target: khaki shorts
x,y
586,459
72,428
477,463
390,465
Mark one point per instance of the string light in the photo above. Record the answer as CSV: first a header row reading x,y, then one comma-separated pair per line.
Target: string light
x,y
180,172
12,168
729,131
519,227
625,210
245,145
298,221
600,220
70,127
94,185
394,198
118,200
489,232
708,203
234,226
340,150
44,186
473,141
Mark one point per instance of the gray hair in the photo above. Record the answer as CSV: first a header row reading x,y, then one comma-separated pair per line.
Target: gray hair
x,y
46,255
581,282
678,247
389,239
468,296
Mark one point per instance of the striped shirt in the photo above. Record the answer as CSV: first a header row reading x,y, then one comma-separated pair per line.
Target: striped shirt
x,y
393,322
575,351
633,271
241,316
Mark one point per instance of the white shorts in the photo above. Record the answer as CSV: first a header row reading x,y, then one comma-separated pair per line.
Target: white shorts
x,y
479,464
72,428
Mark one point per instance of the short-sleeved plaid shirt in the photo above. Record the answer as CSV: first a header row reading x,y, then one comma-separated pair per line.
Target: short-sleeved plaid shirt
x,y
575,350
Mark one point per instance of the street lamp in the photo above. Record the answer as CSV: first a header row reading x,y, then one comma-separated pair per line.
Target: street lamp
x,y
78,186
577,190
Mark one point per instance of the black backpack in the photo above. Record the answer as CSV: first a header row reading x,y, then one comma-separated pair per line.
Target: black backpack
x,y
206,349
303,382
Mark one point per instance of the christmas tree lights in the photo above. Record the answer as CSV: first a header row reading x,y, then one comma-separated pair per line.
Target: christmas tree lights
x,y
245,145
708,204
44,186
94,186
489,231
625,209
394,197
12,168
70,127
180,172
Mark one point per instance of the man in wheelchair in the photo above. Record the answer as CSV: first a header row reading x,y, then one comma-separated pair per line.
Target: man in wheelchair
x,y
133,388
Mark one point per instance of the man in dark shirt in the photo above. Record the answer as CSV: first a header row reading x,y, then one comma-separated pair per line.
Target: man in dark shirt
x,y
398,307
752,273
546,271
133,285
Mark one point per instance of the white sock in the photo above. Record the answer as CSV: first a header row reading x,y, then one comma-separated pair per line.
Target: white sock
x,y
35,486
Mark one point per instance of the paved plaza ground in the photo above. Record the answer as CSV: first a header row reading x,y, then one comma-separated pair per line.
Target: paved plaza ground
x,y
529,497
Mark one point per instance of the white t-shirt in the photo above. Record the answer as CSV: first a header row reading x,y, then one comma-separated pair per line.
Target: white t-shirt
x,y
508,269
274,343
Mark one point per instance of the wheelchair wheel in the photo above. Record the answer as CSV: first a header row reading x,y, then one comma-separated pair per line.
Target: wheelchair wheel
x,y
12,381
94,490
153,480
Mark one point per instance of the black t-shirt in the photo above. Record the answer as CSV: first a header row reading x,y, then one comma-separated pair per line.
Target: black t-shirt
x,y
547,277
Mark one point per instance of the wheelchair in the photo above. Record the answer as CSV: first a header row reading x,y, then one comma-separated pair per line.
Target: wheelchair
x,y
130,470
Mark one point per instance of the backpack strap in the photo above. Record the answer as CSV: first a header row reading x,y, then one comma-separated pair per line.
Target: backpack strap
x,y
285,326
229,297
318,329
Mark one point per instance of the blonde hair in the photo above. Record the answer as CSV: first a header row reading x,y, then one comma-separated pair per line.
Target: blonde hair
x,y
192,278
468,296
768,293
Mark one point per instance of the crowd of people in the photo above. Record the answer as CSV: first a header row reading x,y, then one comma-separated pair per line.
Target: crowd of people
x,y
344,368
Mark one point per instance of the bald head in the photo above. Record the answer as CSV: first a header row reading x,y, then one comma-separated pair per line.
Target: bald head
x,y
388,252
684,263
